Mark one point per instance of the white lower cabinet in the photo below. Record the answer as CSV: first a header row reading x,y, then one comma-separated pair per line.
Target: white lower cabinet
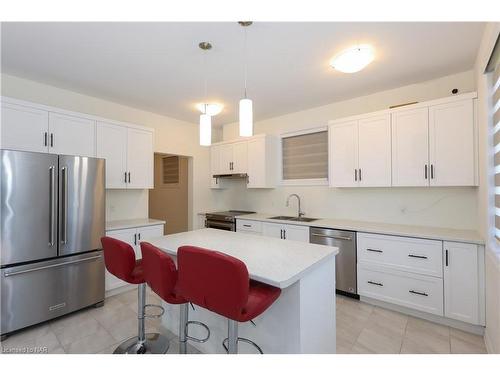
x,y
423,293
132,236
286,231
440,278
248,226
461,282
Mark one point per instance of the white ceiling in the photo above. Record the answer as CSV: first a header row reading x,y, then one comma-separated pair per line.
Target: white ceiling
x,y
158,66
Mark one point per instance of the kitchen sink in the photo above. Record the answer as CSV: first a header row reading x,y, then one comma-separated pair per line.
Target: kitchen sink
x,y
282,217
293,218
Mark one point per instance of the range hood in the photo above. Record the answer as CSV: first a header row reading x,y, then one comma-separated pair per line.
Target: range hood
x,y
231,176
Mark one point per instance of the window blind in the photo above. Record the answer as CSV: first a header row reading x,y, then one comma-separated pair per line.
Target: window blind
x,y
170,169
305,156
494,69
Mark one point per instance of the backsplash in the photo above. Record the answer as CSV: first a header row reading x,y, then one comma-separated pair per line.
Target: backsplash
x,y
122,204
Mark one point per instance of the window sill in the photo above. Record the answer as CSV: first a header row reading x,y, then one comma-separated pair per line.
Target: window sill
x,y
305,182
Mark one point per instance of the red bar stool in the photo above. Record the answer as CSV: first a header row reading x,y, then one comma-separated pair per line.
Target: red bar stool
x,y
220,283
120,261
160,274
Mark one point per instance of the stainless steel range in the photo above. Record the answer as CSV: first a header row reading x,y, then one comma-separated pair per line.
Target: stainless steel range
x,y
225,220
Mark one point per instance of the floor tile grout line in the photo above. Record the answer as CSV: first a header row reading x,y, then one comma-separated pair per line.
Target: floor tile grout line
x,y
404,335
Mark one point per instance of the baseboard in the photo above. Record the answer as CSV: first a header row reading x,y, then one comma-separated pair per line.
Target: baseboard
x,y
471,328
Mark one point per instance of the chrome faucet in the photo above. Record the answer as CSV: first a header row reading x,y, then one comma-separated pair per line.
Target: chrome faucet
x,y
300,213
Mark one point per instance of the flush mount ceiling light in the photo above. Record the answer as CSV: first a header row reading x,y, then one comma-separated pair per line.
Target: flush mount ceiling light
x,y
246,105
211,109
354,59
205,118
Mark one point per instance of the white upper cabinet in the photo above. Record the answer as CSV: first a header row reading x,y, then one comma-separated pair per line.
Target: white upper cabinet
x,y
374,151
360,152
139,159
452,144
256,156
262,163
71,135
426,144
239,157
410,148
343,154
24,128
461,282
112,146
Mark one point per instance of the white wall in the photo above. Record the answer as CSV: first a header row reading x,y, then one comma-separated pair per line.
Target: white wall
x,y
440,207
485,192
171,136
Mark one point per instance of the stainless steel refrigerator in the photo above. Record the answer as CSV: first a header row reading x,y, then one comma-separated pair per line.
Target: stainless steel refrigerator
x,y
52,220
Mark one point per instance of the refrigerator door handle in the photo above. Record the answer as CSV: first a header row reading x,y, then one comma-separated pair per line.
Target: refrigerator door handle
x,y
7,274
64,219
52,203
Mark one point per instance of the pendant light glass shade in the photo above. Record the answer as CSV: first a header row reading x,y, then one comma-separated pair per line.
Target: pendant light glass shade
x,y
205,130
246,118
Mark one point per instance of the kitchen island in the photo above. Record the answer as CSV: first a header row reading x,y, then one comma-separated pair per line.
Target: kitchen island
x,y
302,320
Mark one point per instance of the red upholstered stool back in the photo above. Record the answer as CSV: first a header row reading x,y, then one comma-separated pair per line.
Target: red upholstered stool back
x,y
213,280
119,258
160,273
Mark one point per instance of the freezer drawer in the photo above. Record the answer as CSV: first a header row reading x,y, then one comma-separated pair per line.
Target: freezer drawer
x,y
44,290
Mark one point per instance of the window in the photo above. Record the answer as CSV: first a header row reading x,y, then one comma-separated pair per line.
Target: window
x,y
170,170
494,69
304,157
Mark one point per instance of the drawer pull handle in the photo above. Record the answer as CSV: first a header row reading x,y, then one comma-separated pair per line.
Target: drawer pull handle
x,y
419,293
374,283
375,250
247,225
417,256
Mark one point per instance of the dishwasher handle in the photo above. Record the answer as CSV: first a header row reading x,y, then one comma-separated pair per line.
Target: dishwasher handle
x,y
343,238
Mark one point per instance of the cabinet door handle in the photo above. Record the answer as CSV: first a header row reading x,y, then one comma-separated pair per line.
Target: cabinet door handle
x,y
51,139
355,175
359,174
375,250
432,171
129,177
425,171
135,238
417,256
139,236
45,139
125,177
446,257
375,283
419,293
284,234
281,233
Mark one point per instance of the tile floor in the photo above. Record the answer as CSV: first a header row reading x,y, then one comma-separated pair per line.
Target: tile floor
x,y
361,328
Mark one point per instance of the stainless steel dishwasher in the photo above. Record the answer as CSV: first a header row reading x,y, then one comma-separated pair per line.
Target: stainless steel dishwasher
x,y
345,261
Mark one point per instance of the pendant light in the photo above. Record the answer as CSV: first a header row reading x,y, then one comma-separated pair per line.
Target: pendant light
x,y
246,105
205,118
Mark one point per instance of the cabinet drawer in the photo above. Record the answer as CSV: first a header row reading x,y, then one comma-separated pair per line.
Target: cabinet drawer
x,y
424,293
248,226
404,253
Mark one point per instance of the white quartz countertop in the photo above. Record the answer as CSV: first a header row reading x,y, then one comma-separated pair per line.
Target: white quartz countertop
x,y
132,223
268,260
444,234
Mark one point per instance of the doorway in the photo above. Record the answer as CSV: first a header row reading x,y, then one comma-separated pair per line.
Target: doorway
x,y
168,200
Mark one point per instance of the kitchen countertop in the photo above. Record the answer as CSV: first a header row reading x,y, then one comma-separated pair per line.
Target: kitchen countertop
x,y
434,233
132,223
269,260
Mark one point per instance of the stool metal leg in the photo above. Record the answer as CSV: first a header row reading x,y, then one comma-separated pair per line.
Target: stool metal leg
x,y
232,330
151,343
183,319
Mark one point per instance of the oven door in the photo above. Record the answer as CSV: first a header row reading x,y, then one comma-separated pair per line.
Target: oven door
x,y
223,225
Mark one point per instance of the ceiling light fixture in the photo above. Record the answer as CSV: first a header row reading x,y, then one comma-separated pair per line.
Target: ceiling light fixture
x,y
246,105
211,109
354,59
205,118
